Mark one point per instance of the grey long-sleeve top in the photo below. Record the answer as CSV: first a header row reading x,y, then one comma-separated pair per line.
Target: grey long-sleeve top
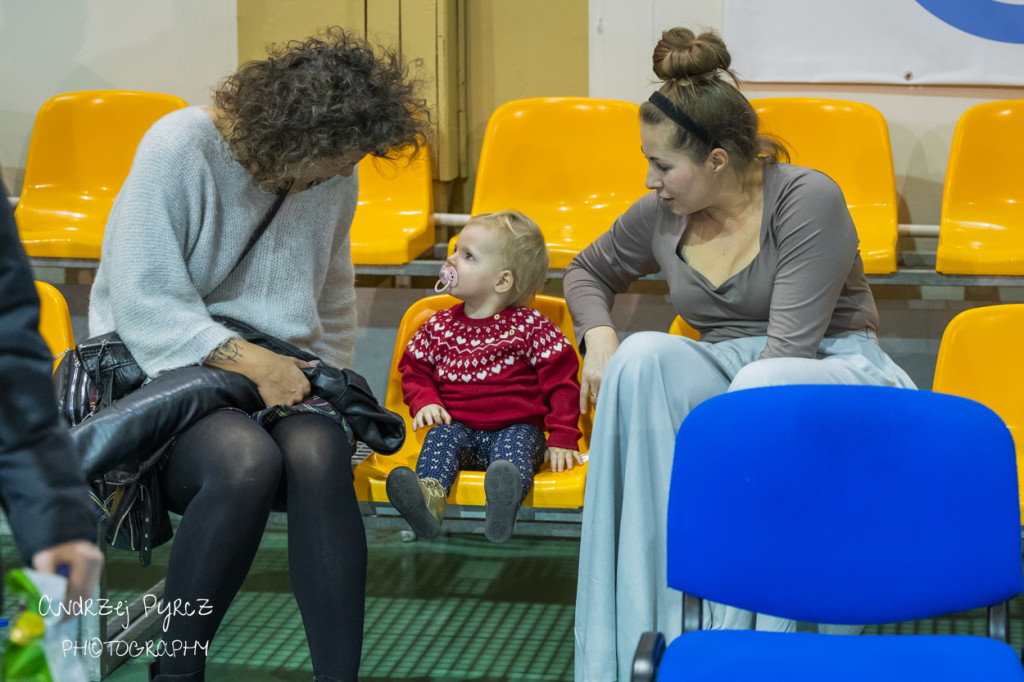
x,y
178,226
806,282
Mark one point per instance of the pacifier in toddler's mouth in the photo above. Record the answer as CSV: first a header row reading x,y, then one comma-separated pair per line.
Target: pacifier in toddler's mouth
x,y
447,279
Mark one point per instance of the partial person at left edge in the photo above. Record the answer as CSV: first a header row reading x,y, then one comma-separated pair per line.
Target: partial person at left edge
x,y
42,488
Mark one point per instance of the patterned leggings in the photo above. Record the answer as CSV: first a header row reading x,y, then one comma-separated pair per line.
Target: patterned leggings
x,y
449,448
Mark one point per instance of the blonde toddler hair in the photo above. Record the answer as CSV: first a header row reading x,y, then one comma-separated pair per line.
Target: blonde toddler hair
x,y
522,250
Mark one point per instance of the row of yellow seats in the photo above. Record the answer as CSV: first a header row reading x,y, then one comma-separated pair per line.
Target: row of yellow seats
x,y
82,148
573,165
978,359
570,163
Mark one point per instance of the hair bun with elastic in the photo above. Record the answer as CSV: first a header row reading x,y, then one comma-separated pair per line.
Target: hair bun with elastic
x,y
681,55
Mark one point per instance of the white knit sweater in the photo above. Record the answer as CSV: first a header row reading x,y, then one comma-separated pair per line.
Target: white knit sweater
x,y
186,195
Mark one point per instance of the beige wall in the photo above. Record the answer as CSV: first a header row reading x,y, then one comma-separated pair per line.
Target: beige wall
x,y
262,22
526,48
921,118
49,47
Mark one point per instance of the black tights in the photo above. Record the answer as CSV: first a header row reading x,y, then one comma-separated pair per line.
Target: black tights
x,y
224,476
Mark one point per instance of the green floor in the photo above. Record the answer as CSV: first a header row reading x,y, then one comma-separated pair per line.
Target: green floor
x,y
455,608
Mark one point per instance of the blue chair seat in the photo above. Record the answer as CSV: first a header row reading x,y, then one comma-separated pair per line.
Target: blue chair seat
x,y
727,655
842,504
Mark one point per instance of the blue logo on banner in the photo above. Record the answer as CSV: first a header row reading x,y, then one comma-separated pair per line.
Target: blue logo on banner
x,y
989,19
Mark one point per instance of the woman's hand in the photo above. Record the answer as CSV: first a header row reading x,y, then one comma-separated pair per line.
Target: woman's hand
x,y
601,343
282,381
562,459
279,378
430,415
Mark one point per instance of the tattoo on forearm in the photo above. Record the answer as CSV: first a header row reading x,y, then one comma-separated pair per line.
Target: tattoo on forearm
x,y
229,351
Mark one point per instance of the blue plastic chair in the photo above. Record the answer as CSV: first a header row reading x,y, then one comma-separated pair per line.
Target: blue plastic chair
x,y
849,505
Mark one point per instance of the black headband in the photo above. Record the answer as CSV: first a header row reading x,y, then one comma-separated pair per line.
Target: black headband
x,y
673,112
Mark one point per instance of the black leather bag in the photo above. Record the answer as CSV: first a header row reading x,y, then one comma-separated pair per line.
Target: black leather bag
x,y
148,417
122,435
130,419
138,423
121,447
347,390
101,362
381,429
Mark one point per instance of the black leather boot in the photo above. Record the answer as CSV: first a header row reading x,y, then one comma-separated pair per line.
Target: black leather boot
x,y
156,676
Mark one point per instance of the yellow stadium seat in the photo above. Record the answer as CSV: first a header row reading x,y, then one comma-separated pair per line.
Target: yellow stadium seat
x,y
979,358
81,150
849,142
394,221
680,327
54,320
561,490
981,230
572,164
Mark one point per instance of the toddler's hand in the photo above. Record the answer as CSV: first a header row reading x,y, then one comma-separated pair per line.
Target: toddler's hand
x,y
562,459
430,415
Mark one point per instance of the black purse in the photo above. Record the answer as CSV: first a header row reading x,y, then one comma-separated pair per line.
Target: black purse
x,y
131,514
103,363
144,419
122,436
129,419
346,389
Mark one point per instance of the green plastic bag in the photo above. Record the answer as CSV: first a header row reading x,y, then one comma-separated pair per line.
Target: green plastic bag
x,y
33,651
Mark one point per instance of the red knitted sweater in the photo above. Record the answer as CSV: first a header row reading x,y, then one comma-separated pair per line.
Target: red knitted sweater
x,y
515,367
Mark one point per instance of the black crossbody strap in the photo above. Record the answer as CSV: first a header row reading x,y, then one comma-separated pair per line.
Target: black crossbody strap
x,y
262,227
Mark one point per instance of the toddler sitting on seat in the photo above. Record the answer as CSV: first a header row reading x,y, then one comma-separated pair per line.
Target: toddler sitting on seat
x,y
490,375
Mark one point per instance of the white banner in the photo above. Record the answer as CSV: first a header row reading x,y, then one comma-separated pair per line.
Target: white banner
x,y
953,42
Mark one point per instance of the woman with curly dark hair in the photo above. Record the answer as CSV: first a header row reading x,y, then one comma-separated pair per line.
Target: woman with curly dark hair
x,y
281,143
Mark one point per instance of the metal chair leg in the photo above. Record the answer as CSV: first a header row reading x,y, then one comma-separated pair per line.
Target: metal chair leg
x,y
693,613
999,621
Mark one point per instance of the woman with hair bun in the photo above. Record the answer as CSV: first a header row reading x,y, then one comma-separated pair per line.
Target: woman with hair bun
x,y
761,258
278,149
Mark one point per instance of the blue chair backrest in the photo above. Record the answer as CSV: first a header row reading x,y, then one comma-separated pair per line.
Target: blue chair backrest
x,y
845,504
